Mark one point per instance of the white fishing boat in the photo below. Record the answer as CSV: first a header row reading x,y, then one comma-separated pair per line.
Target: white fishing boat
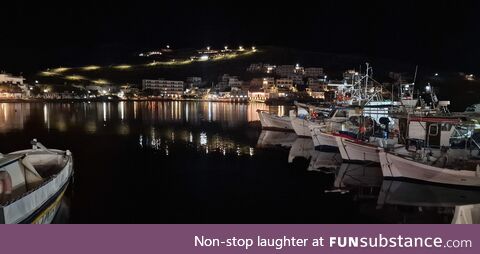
x,y
323,140
357,151
32,184
354,150
276,138
467,214
300,126
404,166
274,122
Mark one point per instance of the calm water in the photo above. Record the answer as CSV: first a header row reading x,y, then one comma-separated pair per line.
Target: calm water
x,y
200,162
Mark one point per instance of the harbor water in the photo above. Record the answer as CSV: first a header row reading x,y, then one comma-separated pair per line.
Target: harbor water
x,y
206,162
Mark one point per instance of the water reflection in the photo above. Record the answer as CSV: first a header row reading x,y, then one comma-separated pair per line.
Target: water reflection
x,y
163,139
94,116
391,201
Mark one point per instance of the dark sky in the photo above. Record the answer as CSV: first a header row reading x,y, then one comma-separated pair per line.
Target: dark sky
x,y
442,33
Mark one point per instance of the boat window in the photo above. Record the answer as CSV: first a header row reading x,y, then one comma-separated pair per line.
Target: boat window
x,y
433,130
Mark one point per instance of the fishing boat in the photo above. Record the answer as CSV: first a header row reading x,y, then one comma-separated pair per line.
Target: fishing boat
x,y
323,140
435,158
272,121
306,115
405,166
32,184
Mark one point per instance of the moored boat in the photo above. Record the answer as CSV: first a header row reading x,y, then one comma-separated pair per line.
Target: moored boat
x,y
300,126
32,184
271,121
322,140
354,150
404,166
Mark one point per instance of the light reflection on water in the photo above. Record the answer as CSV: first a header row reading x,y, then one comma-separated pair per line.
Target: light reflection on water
x,y
157,125
92,116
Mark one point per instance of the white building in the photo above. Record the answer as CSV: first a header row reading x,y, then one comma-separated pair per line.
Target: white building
x,y
313,72
6,78
268,82
284,83
285,70
167,88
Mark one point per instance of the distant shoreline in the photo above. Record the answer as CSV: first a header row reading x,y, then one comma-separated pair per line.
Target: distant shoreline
x,y
115,100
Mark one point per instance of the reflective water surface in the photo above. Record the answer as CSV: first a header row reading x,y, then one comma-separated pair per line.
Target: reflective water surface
x,y
201,162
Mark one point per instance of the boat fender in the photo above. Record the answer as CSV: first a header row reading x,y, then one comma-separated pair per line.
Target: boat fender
x,y
5,183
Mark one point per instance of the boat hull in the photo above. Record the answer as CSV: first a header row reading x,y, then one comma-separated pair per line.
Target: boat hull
x,y
394,166
300,126
46,214
39,205
274,122
353,151
323,141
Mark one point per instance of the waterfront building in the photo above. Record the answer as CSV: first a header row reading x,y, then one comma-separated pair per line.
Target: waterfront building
x,y
165,88
258,96
6,78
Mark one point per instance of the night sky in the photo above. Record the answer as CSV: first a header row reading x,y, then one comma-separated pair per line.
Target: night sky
x,y
444,34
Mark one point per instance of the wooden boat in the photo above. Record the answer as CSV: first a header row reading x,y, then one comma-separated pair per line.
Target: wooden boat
x,y
323,140
354,150
300,126
404,166
32,184
271,121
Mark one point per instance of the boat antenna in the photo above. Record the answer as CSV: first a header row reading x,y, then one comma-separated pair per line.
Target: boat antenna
x,y
414,80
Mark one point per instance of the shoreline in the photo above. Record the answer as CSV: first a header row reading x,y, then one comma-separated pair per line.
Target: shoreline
x,y
117,100
37,100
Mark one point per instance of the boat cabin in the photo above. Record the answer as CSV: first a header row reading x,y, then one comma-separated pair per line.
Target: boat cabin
x,y
432,131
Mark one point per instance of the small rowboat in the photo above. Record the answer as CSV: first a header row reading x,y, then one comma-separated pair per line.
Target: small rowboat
x,y
32,184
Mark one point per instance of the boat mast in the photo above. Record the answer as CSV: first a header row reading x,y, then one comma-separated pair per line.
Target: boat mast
x,y
414,80
366,81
